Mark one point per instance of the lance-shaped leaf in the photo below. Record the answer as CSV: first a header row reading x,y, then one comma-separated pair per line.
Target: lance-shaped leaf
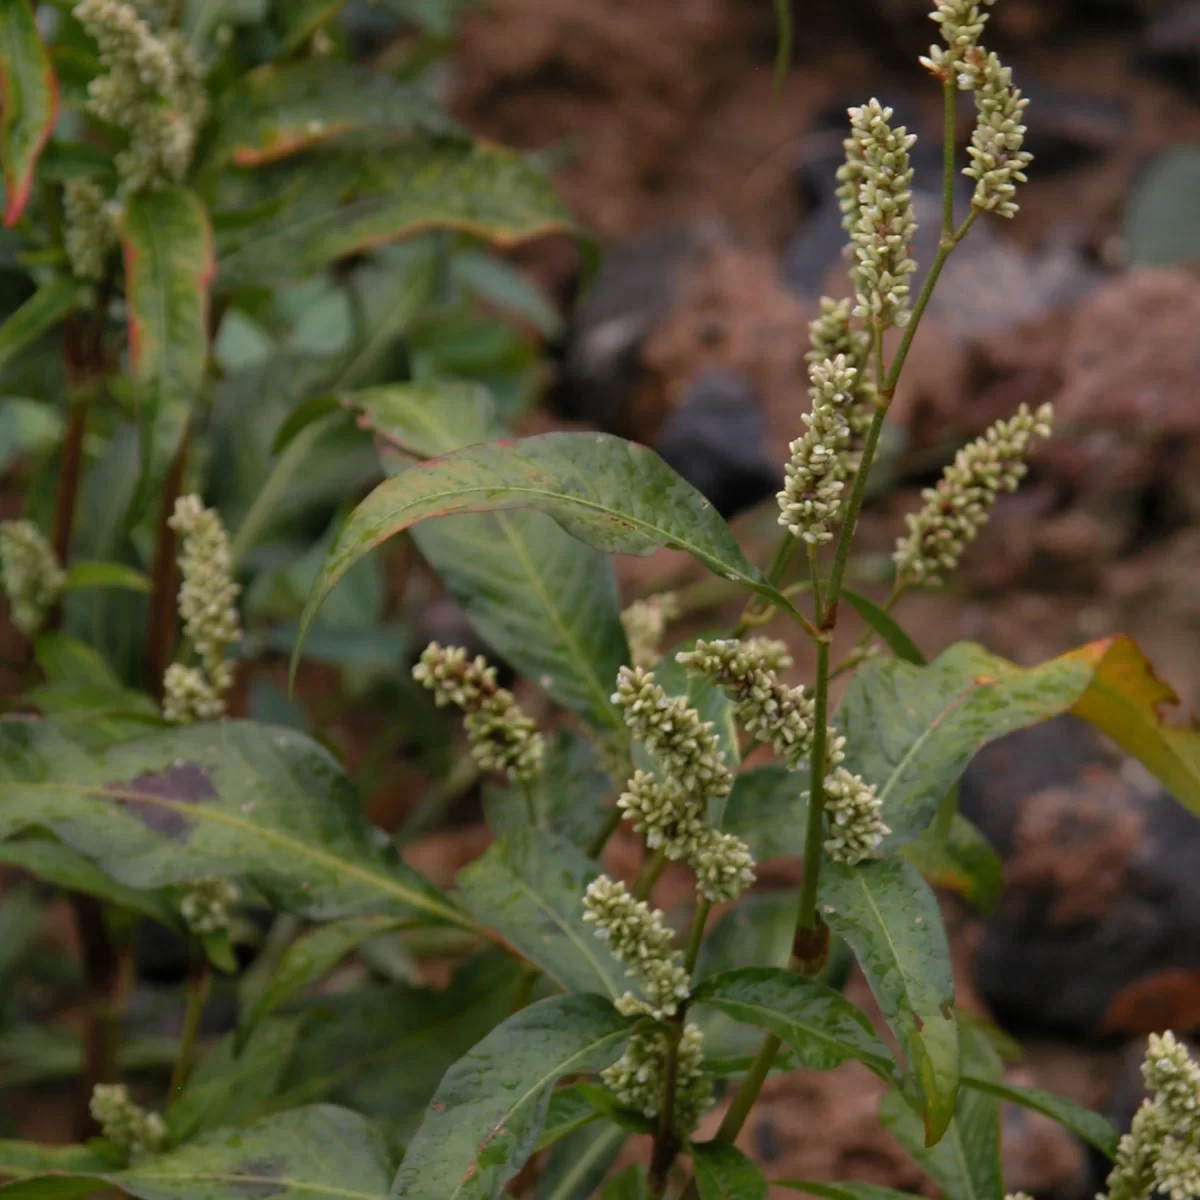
x,y
21,1159
317,1153
821,1025
236,799
29,96
39,314
723,1172
330,207
281,109
307,961
168,252
1083,1122
890,918
530,887
912,730
617,496
486,1116
546,602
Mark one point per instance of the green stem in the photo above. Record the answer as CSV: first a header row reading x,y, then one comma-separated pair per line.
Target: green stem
x,y
530,806
743,1102
815,572
198,985
611,821
696,937
806,917
650,873
949,138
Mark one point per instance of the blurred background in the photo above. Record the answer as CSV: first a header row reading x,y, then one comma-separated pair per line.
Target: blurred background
x,y
710,195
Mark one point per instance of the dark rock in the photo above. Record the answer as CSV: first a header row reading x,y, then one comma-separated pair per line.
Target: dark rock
x,y
716,440
1070,129
1098,933
1171,45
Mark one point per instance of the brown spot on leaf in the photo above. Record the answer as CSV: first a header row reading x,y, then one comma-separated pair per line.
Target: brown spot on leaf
x,y
182,783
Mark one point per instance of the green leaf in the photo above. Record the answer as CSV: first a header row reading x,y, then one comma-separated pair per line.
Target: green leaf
x,y
30,99
281,109
382,1050
107,575
577,1165
888,628
544,601
962,862
508,287
723,1172
229,1085
309,1154
628,1185
332,209
27,427
21,1159
890,918
842,1191
1160,228
168,253
821,1025
302,18
307,961
487,1114
530,885
264,804
617,496
1090,1126
768,810
42,311
570,1110
55,863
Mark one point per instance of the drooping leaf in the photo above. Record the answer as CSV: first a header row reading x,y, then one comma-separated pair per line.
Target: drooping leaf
x,y
962,862
330,208
890,918
228,1086
83,575
260,803
168,252
617,496
546,602
382,1050
487,1114
888,628
307,961
317,1153
280,109
578,1164
530,885
1083,1122
29,95
42,311
723,1172
821,1025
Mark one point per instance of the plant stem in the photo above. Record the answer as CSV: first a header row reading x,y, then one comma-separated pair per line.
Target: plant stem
x,y
198,984
697,935
949,139
160,632
806,915
68,489
815,572
612,820
650,873
530,806
102,1014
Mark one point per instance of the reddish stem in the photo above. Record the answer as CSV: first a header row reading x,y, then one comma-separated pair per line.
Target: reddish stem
x,y
160,639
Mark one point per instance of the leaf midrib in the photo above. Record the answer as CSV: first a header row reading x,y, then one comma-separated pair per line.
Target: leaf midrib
x,y
308,1185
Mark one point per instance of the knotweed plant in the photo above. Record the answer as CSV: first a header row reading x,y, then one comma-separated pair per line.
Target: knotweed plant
x,y
206,225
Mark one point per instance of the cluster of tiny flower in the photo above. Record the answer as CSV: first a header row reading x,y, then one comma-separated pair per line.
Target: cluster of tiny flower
x,y
882,222
817,469
645,622
853,817
91,228
958,508
636,1078
767,708
961,23
639,936
152,90
501,736
998,160
128,1126
208,605
832,333
1160,1155
33,579
206,902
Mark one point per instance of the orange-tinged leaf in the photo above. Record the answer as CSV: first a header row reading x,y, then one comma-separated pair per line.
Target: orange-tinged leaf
x,y
29,96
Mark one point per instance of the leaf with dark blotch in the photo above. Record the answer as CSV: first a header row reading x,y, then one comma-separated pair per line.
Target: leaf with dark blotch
x,y
821,1025
529,886
890,918
264,804
29,98
485,1119
317,1153
307,961
617,496
544,601
335,205
723,1172
281,109
962,862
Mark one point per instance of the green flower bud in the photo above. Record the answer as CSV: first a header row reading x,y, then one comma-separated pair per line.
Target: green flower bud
x,y
33,580
645,623
206,903
638,1077
130,1128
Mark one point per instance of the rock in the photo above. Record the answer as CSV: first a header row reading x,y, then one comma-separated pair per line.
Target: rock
x,y
716,441
1098,934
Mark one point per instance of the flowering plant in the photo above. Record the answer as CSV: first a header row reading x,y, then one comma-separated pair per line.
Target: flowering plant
x,y
578,1015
